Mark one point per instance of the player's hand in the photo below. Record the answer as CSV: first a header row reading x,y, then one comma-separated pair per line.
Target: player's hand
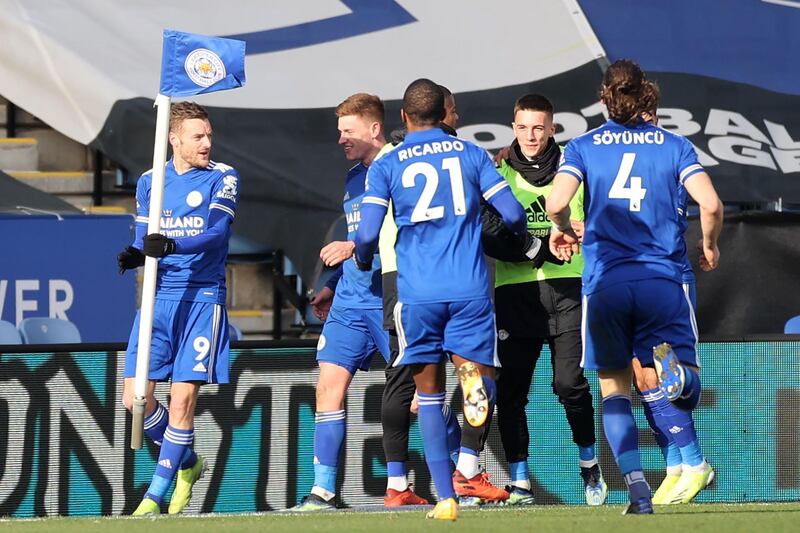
x,y
564,244
157,245
337,252
321,303
500,156
709,256
414,404
577,227
129,258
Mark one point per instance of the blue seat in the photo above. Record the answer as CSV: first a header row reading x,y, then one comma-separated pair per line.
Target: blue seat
x,y
234,333
43,330
9,334
792,325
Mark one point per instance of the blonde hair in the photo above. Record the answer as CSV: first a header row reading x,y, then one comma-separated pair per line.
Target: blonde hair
x,y
363,105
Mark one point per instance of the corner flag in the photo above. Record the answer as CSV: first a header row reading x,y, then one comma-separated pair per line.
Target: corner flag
x,y
195,64
190,64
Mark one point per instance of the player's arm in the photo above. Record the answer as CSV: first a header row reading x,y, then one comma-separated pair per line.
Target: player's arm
x,y
698,184
563,239
215,235
333,281
700,188
496,191
131,257
373,210
564,188
367,235
221,213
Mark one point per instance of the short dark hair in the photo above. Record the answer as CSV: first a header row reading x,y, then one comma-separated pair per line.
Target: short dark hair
x,y
533,102
447,92
423,102
185,111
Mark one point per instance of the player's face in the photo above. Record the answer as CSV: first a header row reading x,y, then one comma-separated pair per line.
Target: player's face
x,y
192,142
356,135
450,114
533,130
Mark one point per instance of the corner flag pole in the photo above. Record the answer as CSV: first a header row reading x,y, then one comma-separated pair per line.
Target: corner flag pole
x,y
163,104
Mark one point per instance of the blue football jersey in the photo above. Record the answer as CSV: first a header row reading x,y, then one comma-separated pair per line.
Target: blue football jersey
x,y
357,289
188,200
635,217
435,182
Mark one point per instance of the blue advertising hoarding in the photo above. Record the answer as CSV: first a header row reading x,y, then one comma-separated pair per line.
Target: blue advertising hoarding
x,y
64,266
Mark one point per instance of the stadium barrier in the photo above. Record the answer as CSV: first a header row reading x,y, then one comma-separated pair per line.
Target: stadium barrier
x,y
64,434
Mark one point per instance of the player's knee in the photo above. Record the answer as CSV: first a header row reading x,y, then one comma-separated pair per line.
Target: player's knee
x,y
127,400
181,407
328,393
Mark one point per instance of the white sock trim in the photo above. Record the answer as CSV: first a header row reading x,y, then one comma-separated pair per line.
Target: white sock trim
x,y
522,483
468,465
322,493
587,464
398,483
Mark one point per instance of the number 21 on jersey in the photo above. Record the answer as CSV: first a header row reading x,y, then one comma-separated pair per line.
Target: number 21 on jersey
x,y
423,211
619,191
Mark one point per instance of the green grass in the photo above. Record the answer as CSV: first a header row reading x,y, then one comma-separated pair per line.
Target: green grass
x,y
727,518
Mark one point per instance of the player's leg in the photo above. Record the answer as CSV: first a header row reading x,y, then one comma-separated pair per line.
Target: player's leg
x,y
398,394
572,389
420,333
649,393
608,344
689,396
518,357
430,382
344,347
201,348
471,339
156,419
676,327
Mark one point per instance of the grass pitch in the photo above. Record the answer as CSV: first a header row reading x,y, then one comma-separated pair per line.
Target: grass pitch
x,y
727,518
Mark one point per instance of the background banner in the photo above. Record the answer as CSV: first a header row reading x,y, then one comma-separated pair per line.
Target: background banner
x,y
64,433
65,266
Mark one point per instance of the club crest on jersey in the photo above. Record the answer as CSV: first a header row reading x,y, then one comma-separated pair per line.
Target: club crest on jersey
x,y
194,199
204,67
229,189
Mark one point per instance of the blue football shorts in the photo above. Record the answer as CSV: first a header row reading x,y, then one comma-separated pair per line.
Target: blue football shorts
x,y
351,337
629,319
427,333
189,343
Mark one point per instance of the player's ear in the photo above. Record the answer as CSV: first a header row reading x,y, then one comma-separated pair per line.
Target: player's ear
x,y
403,116
375,129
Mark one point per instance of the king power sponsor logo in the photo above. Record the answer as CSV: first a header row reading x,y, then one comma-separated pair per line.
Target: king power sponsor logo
x,y
721,135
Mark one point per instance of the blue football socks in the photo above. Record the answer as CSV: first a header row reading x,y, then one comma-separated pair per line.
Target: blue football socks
x,y
329,433
453,432
623,438
434,439
173,449
692,387
670,450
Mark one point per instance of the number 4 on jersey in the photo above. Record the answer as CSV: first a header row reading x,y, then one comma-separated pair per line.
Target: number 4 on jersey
x,y
635,193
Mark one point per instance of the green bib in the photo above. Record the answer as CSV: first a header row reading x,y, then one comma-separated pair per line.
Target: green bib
x,y
532,199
